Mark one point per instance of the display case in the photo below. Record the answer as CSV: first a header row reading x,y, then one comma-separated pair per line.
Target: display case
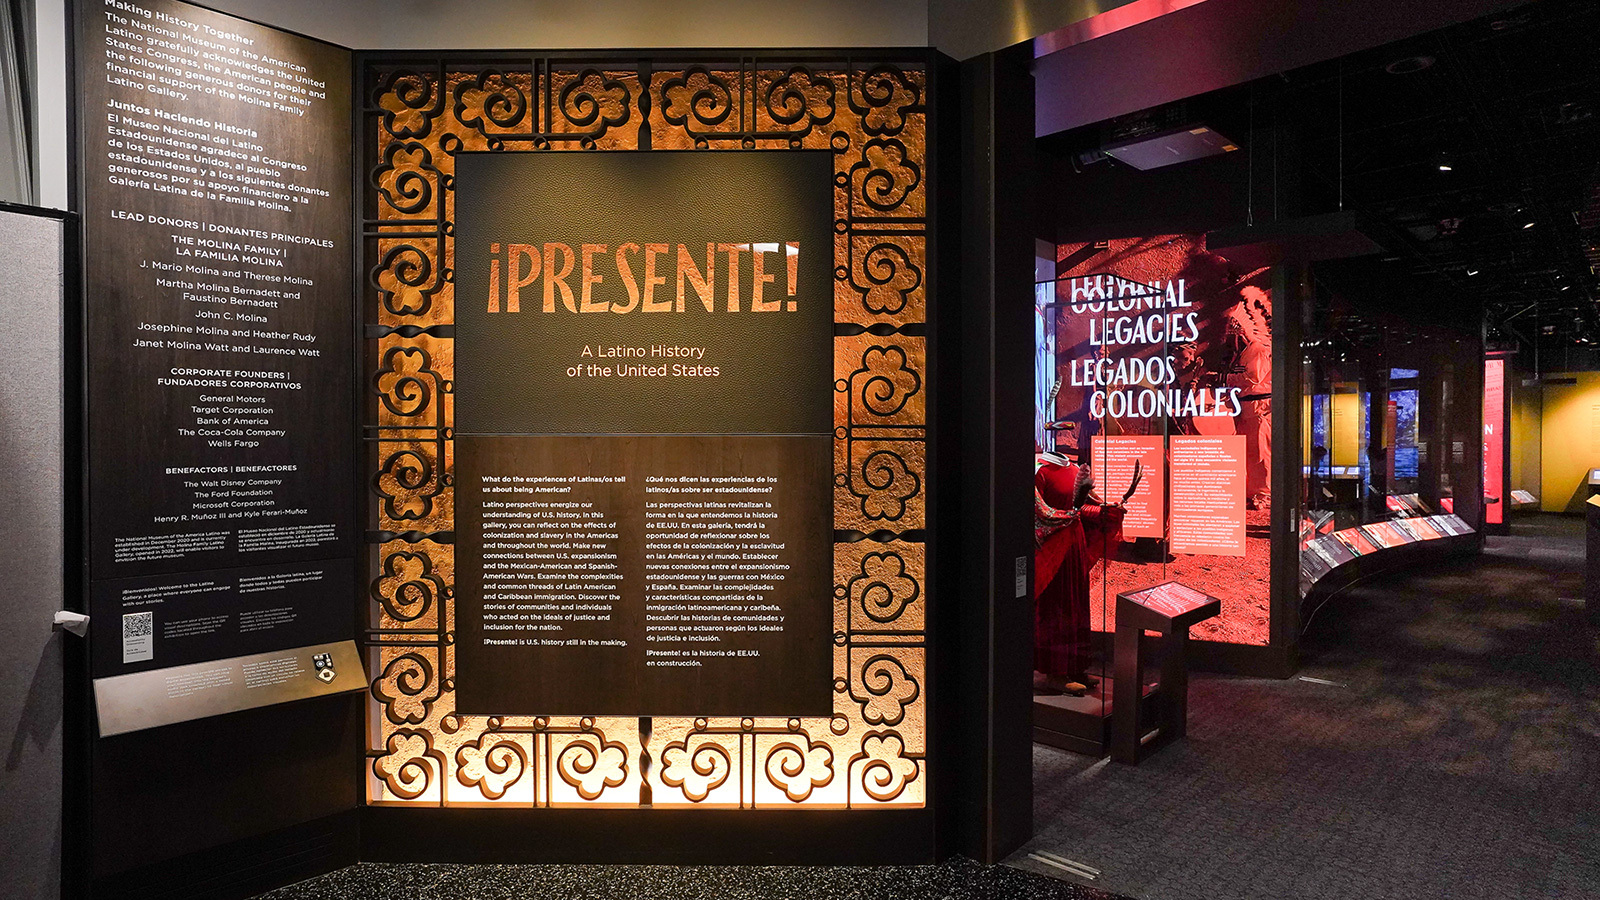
x,y
1161,354
1392,456
1155,385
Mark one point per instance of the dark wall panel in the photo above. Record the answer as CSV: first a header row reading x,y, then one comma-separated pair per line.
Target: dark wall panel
x,y
213,169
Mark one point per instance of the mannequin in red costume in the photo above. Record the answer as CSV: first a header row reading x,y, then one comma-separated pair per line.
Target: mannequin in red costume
x,y
1073,529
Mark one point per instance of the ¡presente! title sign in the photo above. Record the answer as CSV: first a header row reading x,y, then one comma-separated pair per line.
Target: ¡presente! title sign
x,y
586,279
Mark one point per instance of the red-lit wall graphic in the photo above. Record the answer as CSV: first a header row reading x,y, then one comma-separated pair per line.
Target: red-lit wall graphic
x,y
1164,353
1494,422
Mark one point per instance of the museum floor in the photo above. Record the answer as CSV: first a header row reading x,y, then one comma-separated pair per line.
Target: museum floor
x,y
1456,753
955,880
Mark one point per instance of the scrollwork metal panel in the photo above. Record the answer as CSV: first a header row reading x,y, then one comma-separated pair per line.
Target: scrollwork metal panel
x,y
873,116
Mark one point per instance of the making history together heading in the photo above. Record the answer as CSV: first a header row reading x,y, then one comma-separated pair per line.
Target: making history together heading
x,y
635,277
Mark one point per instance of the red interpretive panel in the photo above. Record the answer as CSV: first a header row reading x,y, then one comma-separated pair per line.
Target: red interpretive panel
x,y
1208,494
1158,340
1494,420
1113,459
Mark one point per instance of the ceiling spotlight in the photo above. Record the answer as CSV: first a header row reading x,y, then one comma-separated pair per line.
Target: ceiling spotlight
x,y
1526,225
1409,64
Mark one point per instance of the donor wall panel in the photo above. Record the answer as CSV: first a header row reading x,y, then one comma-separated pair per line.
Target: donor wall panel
x,y
435,739
215,203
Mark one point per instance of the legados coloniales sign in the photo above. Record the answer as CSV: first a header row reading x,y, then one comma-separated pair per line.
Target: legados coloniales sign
x,y
1136,334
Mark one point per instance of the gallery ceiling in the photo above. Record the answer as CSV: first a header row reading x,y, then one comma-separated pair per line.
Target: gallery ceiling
x,y
1471,154
1474,155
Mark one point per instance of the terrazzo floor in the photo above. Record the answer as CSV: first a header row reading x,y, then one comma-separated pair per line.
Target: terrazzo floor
x,y
955,880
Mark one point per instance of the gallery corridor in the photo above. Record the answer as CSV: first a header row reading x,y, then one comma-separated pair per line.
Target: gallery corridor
x,y
1442,740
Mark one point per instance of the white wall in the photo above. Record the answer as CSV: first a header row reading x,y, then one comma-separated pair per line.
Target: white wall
x,y
50,103
16,185
561,24
965,28
31,532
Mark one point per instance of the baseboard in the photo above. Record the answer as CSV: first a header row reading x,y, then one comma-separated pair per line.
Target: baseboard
x,y
1251,660
648,836
243,868
1068,742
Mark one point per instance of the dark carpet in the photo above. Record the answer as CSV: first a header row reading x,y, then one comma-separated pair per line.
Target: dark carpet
x,y
1456,754
955,880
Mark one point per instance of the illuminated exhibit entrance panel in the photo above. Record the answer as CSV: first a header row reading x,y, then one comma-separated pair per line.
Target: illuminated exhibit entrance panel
x,y
643,446
456,721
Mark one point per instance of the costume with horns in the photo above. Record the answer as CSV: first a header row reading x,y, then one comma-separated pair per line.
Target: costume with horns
x,y
1072,531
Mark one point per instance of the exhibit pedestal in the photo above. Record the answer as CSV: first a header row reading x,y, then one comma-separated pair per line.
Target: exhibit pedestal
x,y
1169,609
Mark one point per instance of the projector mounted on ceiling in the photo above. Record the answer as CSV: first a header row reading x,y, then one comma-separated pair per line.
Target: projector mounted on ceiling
x,y
1169,146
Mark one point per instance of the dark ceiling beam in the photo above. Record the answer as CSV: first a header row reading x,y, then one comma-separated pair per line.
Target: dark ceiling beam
x,y
1221,43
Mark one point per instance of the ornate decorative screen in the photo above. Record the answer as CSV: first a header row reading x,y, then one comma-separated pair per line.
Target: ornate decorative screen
x,y
872,114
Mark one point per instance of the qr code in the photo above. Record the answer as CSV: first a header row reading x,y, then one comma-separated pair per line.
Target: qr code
x,y
138,637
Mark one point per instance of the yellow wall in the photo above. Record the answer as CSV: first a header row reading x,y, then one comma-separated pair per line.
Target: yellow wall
x,y
1346,425
1570,442
1305,430
1525,436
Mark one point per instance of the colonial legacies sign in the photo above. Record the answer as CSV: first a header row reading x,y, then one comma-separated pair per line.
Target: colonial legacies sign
x,y
216,214
644,421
